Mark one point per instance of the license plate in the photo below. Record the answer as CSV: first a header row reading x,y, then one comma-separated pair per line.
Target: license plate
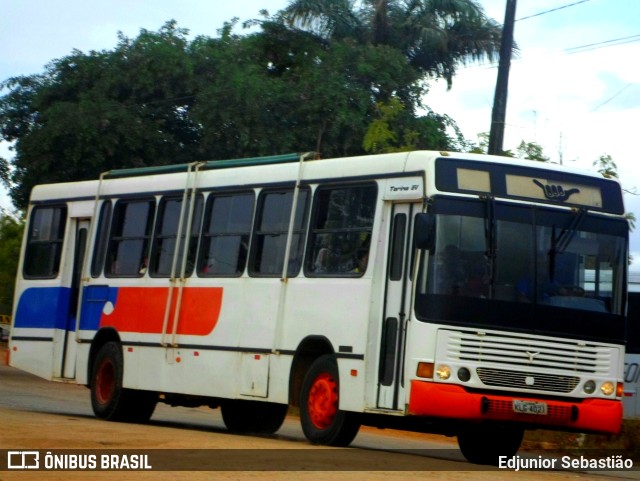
x,y
529,407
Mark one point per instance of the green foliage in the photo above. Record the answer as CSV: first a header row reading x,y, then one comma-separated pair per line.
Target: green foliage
x,y
483,144
609,169
162,99
379,137
631,217
99,111
395,130
5,172
531,151
11,230
606,166
436,36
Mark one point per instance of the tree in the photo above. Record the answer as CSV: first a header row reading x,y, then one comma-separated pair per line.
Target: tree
x,y
436,36
395,130
606,166
161,99
94,112
11,230
609,169
531,151
286,90
483,144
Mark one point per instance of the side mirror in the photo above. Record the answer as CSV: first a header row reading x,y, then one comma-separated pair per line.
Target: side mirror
x,y
424,231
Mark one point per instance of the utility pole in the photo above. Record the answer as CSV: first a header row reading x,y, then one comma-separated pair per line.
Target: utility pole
x,y
499,112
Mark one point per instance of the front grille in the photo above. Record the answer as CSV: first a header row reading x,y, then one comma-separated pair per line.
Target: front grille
x,y
527,380
530,353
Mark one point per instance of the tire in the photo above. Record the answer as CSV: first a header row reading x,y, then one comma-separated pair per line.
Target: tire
x,y
322,421
484,444
254,417
109,400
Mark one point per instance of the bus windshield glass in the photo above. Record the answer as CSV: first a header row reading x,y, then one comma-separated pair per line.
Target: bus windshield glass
x,y
558,272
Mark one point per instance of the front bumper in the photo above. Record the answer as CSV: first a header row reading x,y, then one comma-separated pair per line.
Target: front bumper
x,y
455,402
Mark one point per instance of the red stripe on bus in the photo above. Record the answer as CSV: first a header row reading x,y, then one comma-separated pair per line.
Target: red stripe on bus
x,y
142,309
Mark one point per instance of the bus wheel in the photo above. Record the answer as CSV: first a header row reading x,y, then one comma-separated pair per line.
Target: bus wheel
x,y
253,416
322,421
484,444
109,399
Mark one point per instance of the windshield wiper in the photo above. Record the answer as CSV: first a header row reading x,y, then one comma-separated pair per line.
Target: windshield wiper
x,y
560,244
490,239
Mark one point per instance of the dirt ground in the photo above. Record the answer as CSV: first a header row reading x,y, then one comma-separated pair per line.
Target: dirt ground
x,y
31,430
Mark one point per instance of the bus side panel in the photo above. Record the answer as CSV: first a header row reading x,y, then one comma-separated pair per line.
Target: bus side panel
x,y
33,356
82,363
43,308
208,343
252,314
631,398
193,371
142,309
338,310
40,320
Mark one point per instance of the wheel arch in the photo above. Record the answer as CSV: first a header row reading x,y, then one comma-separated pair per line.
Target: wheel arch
x,y
309,349
103,336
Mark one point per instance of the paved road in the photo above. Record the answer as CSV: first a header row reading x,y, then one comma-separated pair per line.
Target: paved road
x,y
36,414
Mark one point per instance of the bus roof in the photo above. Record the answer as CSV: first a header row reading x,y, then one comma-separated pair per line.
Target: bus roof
x,y
284,168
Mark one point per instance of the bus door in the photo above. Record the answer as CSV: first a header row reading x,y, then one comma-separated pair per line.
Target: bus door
x,y
396,307
64,343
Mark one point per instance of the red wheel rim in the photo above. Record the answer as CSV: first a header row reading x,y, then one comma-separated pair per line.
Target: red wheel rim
x,y
323,401
105,382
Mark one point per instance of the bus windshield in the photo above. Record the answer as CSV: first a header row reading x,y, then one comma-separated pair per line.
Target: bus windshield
x,y
525,268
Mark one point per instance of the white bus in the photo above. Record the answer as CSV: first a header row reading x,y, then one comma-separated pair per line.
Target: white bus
x,y
426,291
632,359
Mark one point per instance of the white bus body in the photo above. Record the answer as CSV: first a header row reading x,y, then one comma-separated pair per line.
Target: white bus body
x,y
632,358
337,304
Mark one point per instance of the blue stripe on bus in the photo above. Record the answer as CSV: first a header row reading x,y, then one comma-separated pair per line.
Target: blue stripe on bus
x,y
48,307
44,308
93,301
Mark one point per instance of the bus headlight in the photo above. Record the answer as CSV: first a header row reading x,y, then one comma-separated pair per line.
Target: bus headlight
x,y
589,387
443,372
607,388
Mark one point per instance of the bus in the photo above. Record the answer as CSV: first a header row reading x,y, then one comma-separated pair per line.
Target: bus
x,y
425,291
632,358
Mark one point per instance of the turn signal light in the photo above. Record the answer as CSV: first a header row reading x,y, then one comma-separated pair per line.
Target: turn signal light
x,y
425,369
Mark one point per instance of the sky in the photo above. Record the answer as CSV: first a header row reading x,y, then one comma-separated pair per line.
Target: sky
x,y
574,85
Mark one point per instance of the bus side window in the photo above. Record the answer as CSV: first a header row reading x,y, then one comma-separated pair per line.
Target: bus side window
x,y
44,244
225,235
166,233
270,233
129,238
102,239
341,230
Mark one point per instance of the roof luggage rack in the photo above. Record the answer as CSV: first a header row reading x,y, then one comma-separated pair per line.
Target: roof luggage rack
x,y
208,165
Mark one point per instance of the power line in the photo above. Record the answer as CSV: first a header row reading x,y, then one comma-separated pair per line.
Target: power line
x,y
603,44
552,10
611,98
567,51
